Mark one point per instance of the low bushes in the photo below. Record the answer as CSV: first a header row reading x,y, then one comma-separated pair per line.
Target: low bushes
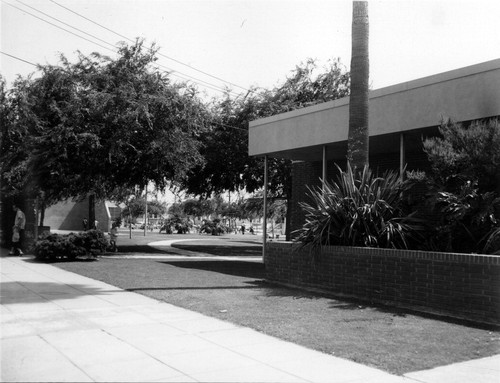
x,y
214,227
55,247
180,224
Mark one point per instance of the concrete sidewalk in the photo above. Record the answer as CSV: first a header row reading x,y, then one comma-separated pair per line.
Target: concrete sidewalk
x,y
60,326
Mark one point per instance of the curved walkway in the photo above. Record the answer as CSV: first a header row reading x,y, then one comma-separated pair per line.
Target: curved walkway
x,y
184,253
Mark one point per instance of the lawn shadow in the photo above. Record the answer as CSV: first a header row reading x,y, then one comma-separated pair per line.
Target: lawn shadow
x,y
141,249
341,302
254,270
222,250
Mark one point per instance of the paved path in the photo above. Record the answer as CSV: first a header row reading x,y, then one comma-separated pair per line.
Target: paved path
x,y
60,326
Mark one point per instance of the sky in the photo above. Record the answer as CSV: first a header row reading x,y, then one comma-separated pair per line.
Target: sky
x,y
244,43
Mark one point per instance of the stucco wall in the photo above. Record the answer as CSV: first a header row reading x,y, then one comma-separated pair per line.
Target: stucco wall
x,y
68,215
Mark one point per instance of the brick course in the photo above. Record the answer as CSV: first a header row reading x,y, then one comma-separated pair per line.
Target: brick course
x,y
465,286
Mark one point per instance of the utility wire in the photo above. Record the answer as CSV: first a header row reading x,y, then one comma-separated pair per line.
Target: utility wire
x,y
62,22
170,71
57,26
211,86
17,58
160,54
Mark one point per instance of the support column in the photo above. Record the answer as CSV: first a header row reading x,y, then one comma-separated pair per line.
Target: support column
x,y
325,169
402,155
264,225
146,211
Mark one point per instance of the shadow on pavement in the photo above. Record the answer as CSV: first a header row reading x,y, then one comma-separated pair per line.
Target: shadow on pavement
x,y
191,288
39,292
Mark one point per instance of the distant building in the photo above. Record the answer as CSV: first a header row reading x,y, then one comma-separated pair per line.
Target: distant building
x,y
69,215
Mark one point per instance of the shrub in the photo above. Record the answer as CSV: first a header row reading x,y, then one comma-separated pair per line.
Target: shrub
x,y
359,210
214,227
53,247
463,196
467,221
466,153
181,224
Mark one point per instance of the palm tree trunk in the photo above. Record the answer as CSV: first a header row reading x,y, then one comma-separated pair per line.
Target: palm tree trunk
x,y
358,141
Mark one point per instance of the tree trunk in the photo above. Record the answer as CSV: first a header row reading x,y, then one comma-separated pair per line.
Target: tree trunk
x,y
358,141
42,211
92,211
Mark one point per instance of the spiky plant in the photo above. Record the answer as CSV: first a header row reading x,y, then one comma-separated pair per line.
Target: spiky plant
x,y
360,209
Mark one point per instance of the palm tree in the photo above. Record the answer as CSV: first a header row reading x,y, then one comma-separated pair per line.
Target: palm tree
x,y
358,140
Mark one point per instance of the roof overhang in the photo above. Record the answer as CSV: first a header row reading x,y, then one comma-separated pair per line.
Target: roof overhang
x,y
414,108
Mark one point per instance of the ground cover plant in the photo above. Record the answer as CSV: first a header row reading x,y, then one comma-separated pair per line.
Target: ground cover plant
x,y
359,209
392,340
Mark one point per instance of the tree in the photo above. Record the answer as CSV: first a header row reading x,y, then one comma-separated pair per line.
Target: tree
x,y
100,124
359,136
136,207
227,166
466,153
464,186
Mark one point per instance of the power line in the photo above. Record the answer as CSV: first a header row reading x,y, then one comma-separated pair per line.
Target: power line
x,y
17,58
160,54
170,71
57,26
229,126
62,22
114,47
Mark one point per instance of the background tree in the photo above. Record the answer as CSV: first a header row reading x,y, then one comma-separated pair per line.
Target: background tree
x,y
136,207
359,136
227,166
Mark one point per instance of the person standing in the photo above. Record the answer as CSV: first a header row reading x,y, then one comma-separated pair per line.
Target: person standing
x,y
113,237
18,231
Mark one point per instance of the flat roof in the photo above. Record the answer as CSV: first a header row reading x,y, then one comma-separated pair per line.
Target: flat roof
x,y
464,94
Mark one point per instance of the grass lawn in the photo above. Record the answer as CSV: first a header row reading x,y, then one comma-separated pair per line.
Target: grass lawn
x,y
392,340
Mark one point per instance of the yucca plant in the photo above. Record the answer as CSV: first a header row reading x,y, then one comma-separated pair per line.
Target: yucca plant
x,y
360,209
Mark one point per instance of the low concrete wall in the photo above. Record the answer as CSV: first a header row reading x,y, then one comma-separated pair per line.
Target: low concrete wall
x,y
465,286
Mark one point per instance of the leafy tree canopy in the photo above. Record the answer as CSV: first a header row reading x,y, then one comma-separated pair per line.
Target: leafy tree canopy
x,y
466,154
100,124
136,207
227,166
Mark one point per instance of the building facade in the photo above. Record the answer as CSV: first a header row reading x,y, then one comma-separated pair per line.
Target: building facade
x,y
400,117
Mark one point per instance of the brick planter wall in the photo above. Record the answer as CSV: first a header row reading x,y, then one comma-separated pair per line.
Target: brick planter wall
x,y
465,286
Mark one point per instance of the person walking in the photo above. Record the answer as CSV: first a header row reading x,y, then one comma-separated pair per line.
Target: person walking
x,y
18,231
